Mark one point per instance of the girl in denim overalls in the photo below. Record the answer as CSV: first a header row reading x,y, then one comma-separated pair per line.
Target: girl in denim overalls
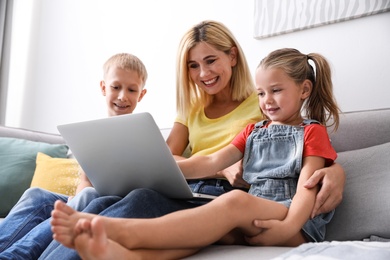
x,y
279,155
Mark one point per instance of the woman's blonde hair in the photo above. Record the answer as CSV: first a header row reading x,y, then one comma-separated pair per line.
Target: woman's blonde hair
x,y
321,104
188,94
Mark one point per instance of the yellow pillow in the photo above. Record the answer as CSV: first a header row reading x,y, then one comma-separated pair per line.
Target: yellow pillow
x,y
60,175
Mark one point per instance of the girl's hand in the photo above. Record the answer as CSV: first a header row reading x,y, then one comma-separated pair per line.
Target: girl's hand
x,y
273,233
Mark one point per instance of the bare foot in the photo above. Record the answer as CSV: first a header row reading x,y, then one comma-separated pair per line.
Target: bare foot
x,y
92,241
63,223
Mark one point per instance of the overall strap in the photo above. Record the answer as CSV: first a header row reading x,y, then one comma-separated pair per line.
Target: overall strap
x,y
305,122
309,122
261,123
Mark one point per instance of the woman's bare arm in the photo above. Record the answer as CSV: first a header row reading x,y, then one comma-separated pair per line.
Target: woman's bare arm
x,y
178,140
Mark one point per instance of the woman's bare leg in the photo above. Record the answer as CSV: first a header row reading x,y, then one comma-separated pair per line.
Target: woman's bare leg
x,y
193,228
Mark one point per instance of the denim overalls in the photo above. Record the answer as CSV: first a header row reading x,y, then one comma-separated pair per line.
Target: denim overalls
x,y
272,163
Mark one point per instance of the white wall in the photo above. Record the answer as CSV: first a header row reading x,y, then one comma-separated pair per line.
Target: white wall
x,y
59,47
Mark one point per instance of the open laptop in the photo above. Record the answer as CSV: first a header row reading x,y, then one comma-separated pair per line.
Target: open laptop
x,y
122,153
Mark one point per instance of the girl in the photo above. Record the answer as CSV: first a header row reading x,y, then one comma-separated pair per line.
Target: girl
x,y
279,155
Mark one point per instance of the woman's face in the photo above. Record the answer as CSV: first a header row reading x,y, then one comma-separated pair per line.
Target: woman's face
x,y
210,68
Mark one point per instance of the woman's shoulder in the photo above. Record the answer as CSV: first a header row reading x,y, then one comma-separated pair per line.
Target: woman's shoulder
x,y
250,108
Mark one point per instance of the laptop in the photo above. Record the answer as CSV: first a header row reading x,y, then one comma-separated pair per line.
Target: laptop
x,y
125,152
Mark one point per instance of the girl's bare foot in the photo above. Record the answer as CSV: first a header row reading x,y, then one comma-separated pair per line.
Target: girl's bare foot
x,y
92,241
63,223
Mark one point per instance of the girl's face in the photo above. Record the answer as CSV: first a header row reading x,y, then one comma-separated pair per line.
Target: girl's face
x,y
280,98
123,89
210,68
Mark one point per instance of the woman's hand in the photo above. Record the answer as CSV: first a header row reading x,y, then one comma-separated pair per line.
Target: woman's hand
x,y
234,175
332,181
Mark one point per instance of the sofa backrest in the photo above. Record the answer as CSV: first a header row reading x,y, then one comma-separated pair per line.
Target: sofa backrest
x,y
361,129
6,131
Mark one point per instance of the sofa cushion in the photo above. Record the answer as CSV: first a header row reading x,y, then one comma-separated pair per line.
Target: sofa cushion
x,y
365,208
17,166
57,175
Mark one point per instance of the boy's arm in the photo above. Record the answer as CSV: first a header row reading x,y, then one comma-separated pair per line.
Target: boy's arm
x,y
84,182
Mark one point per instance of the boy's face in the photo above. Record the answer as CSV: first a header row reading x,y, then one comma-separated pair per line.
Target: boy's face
x,y
123,89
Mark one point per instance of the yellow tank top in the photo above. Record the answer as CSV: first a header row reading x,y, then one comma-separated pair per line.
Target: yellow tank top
x,y
209,135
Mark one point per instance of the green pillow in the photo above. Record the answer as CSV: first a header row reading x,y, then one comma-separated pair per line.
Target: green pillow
x,y
17,166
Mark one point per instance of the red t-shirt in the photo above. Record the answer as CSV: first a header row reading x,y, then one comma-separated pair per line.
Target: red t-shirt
x,y
316,142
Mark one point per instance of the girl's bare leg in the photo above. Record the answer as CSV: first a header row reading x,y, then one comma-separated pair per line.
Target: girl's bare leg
x,y
204,225
93,243
63,222
193,228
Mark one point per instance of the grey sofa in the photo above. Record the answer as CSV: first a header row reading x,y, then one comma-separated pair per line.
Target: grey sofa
x,y
361,225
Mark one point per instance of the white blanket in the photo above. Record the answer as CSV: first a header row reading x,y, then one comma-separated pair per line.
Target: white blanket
x,y
354,250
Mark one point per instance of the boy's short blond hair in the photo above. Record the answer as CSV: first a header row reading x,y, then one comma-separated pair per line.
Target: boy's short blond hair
x,y
126,61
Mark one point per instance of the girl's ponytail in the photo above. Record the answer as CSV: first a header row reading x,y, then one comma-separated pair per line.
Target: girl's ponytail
x,y
321,104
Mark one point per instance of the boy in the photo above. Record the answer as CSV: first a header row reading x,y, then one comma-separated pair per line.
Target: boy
x,y
26,230
123,86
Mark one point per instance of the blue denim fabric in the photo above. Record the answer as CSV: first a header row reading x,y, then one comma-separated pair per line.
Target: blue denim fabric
x,y
83,198
273,152
30,213
272,164
26,231
214,187
139,203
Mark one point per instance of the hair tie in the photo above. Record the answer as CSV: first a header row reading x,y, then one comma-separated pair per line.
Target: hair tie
x,y
311,63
